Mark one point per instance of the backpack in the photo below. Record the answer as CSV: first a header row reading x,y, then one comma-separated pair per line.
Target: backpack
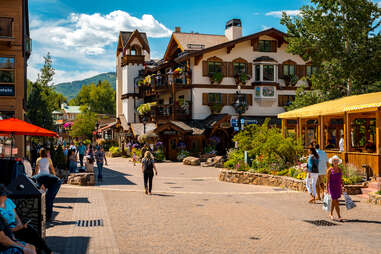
x,y
315,165
148,165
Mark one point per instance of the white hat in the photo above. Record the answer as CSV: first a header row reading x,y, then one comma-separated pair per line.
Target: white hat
x,y
335,157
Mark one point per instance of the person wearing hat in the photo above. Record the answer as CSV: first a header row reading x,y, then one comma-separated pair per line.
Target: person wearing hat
x,y
334,184
21,231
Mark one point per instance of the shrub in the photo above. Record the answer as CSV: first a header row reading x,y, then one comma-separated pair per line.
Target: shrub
x,y
107,144
378,192
301,175
159,155
115,152
183,154
235,156
59,158
291,172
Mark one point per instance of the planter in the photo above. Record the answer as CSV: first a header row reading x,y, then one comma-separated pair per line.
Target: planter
x,y
234,176
354,189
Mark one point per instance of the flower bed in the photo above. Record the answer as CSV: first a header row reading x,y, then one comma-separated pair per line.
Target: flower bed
x,y
234,176
375,198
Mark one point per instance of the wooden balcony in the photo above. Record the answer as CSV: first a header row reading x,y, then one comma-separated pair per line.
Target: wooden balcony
x,y
162,113
132,59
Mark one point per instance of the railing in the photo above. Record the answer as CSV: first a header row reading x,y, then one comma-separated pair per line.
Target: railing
x,y
164,113
6,28
133,59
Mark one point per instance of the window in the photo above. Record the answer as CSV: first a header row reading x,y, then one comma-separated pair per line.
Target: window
x,y
133,52
265,46
289,69
7,72
6,114
310,70
268,72
6,27
285,100
214,98
257,73
268,91
239,68
214,67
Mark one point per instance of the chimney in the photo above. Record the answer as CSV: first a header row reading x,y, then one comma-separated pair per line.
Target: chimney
x,y
177,29
233,29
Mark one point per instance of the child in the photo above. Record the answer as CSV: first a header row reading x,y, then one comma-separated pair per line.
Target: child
x,y
134,157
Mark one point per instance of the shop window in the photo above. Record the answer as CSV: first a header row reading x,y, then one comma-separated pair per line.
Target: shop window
x,y
7,70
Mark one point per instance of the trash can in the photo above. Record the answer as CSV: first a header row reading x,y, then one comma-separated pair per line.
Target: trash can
x,y
30,202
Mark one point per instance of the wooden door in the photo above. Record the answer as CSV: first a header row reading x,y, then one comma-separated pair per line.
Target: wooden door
x,y
172,148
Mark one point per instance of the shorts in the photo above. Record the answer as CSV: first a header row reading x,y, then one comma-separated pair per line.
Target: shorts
x,y
14,250
321,181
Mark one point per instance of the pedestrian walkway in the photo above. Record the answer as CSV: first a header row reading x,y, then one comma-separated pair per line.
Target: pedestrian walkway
x,y
201,215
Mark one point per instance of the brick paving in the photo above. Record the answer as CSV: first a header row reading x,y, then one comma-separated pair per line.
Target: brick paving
x,y
194,213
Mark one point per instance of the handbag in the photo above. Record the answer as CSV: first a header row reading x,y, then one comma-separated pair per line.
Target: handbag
x,y
327,202
349,204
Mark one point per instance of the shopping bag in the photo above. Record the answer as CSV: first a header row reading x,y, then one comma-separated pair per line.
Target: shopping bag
x,y
327,202
349,204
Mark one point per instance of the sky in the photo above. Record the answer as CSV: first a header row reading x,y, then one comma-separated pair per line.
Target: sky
x,y
81,35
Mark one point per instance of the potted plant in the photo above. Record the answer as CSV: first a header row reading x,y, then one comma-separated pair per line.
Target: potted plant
x,y
215,108
242,78
216,77
290,80
178,71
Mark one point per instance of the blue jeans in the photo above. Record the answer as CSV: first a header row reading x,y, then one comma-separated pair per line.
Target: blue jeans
x,y
100,169
73,167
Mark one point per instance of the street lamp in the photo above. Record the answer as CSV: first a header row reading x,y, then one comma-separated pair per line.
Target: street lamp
x,y
240,105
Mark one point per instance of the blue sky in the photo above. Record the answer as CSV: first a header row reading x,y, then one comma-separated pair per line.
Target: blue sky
x,y
81,35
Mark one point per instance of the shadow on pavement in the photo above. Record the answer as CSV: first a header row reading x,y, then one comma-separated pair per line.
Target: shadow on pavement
x,y
68,245
54,223
363,221
112,177
71,200
162,195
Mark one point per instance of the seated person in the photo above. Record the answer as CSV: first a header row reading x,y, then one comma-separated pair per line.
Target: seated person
x,y
9,244
330,145
21,231
370,147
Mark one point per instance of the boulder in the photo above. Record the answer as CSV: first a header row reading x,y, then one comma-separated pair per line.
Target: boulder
x,y
191,161
82,179
216,161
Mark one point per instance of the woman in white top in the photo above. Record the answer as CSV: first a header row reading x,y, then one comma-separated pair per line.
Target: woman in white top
x,y
44,165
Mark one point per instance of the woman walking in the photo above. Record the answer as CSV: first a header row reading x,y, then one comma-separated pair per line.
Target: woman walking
x,y
148,166
334,184
312,173
44,165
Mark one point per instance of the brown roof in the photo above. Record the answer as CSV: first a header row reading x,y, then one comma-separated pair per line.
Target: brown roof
x,y
195,41
126,36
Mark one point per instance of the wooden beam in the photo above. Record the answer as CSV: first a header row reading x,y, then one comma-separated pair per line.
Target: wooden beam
x,y
228,49
346,132
299,129
378,132
284,127
197,59
321,132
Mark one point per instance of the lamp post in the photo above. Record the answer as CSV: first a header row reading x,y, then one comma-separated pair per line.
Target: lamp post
x,y
240,105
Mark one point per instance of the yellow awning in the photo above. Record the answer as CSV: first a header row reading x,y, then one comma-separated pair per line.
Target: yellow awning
x,y
336,107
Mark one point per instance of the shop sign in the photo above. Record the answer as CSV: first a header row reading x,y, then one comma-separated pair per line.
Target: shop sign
x,y
7,90
169,132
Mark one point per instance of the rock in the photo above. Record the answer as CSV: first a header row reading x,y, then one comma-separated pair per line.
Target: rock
x,y
82,179
191,161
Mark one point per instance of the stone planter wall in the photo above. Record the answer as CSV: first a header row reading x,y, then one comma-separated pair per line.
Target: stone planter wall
x,y
233,176
374,199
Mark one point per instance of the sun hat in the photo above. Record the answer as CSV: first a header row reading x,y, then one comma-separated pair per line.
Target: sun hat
x,y
4,191
335,157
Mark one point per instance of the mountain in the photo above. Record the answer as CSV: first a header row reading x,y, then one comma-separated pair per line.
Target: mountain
x,y
71,89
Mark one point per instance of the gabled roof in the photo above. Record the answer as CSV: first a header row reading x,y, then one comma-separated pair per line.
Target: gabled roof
x,y
125,37
192,42
272,32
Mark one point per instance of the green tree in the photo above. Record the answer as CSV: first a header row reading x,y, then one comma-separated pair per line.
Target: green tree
x,y
84,125
98,98
45,78
341,38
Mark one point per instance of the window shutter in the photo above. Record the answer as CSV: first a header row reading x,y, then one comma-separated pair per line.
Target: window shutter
x,y
255,44
225,69
230,69
300,71
224,99
273,46
205,99
280,71
249,99
230,99
205,68
250,69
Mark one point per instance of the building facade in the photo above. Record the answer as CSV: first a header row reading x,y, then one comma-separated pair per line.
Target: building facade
x,y
15,49
206,82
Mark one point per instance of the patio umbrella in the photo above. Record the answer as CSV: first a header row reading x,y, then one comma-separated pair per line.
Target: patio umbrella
x,y
13,126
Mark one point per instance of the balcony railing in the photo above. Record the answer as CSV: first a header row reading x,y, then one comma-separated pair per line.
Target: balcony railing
x,y
132,59
165,113
6,28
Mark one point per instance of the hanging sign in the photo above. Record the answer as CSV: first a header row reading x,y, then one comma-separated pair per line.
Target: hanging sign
x,y
6,90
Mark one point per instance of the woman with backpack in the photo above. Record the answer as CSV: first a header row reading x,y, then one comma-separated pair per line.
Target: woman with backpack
x,y
312,173
148,166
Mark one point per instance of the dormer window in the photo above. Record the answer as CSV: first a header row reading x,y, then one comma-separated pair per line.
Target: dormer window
x,y
133,52
289,69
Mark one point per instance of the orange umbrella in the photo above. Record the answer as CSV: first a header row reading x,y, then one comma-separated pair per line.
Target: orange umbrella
x,y
13,126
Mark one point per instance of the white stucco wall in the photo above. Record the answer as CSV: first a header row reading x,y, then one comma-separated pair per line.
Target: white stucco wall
x,y
130,72
119,85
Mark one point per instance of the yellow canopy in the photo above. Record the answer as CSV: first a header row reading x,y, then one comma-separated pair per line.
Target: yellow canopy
x,y
335,107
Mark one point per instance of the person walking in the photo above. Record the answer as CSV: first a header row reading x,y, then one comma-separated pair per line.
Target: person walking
x,y
323,161
44,165
81,152
312,173
341,143
100,157
72,159
334,184
148,166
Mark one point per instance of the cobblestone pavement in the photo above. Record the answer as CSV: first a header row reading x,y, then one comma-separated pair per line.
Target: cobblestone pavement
x,y
191,212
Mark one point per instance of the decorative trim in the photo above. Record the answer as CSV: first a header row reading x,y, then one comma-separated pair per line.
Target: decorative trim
x,y
240,60
127,95
214,59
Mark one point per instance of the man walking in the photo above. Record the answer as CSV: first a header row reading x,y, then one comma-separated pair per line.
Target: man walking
x,y
100,157
81,151
323,160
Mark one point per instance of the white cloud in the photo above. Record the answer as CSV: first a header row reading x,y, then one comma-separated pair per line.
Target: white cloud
x,y
278,14
89,40
265,27
379,4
